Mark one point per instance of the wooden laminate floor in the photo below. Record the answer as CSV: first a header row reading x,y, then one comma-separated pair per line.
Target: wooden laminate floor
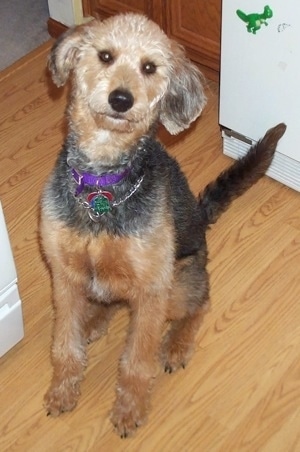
x,y
241,391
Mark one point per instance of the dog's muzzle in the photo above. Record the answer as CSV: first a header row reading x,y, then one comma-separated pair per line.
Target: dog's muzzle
x,y
120,100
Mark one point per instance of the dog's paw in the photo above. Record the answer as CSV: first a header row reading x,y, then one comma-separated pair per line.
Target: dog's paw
x,y
176,356
126,418
61,398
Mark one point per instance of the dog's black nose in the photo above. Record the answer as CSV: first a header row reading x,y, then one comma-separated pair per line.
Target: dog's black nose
x,y
120,100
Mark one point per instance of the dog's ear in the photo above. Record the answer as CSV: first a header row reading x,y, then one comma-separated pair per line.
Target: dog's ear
x,y
64,54
184,100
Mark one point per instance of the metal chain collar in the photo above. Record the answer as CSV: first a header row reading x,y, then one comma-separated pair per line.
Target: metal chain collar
x,y
96,216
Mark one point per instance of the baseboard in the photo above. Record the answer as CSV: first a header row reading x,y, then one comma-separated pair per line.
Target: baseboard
x,y
55,29
283,168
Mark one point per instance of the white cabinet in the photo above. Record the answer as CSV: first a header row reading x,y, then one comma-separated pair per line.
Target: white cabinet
x,y
11,319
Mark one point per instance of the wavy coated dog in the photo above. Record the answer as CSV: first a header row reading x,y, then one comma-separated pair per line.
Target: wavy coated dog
x,y
119,224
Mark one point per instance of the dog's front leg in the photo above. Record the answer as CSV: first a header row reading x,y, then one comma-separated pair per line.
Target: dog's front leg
x,y
69,346
139,364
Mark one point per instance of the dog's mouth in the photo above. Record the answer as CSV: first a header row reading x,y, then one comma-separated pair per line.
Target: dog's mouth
x,y
104,114
118,117
117,122
122,118
122,121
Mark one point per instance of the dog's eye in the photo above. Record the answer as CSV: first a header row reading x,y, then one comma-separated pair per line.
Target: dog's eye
x,y
105,57
148,68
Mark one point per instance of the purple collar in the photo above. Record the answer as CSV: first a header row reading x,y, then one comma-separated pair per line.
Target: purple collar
x,y
104,180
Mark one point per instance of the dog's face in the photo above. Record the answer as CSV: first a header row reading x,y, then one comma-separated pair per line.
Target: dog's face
x,y
126,74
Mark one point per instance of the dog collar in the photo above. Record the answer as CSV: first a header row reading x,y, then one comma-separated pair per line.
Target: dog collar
x,y
104,180
98,203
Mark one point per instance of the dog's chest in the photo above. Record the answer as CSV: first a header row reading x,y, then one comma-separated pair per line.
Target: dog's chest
x,y
112,266
121,266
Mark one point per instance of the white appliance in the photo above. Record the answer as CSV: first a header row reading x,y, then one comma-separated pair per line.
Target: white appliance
x,y
259,80
11,319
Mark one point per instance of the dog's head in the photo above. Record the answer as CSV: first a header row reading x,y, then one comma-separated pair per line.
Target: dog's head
x,y
127,74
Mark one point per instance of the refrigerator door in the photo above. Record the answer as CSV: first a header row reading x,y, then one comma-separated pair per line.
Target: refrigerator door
x,y
260,64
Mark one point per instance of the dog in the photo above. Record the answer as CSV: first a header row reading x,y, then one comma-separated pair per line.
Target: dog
x,y
119,224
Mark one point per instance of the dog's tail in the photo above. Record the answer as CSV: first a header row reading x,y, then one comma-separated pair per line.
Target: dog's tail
x,y
239,177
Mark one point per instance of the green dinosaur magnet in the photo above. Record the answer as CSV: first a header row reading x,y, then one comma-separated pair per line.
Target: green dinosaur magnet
x,y
254,21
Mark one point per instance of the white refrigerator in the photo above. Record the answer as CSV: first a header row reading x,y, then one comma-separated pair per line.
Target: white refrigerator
x,y
260,80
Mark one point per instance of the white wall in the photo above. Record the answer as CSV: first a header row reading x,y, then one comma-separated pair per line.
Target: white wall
x,y
67,12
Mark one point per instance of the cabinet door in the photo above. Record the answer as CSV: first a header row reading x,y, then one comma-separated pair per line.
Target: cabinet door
x,y
105,8
196,25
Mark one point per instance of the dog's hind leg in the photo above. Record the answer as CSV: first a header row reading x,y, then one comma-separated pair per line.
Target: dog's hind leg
x,y
188,305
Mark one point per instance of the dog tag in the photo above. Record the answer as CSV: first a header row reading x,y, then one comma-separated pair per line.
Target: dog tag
x,y
100,202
